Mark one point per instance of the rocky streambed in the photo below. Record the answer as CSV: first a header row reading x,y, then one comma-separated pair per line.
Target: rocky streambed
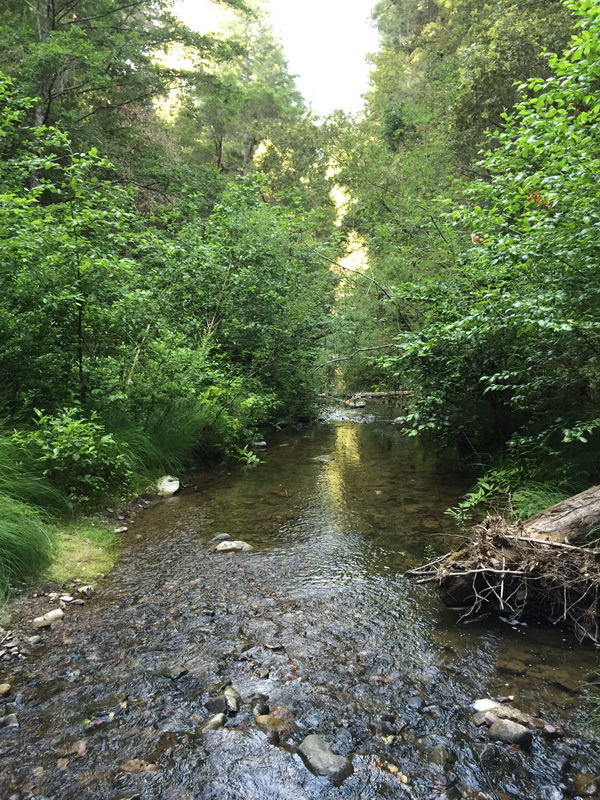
x,y
307,667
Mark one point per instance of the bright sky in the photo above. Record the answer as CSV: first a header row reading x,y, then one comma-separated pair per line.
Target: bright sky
x,y
326,43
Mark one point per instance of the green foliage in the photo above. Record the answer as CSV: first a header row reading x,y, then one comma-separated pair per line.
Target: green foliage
x,y
508,348
25,543
189,333
531,499
445,71
77,455
429,552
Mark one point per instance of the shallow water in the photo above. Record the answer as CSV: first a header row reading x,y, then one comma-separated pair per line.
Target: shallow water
x,y
319,619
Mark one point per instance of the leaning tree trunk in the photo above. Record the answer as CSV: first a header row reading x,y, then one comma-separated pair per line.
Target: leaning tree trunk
x,y
528,568
566,521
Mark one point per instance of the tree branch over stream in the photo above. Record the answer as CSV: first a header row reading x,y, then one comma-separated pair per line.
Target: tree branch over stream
x,y
382,288
351,355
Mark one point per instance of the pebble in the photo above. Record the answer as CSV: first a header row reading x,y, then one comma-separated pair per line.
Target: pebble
x,y
4,689
66,598
272,726
122,529
217,705
233,698
439,756
260,708
9,721
48,618
139,765
485,705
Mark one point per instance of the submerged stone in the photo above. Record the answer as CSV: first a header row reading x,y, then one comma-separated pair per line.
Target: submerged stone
x,y
175,672
585,785
321,760
232,547
509,732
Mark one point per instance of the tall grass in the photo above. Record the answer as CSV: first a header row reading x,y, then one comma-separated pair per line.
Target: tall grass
x,y
25,543
534,497
27,503
21,479
173,440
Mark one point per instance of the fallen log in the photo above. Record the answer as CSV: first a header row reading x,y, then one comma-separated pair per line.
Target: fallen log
x,y
530,568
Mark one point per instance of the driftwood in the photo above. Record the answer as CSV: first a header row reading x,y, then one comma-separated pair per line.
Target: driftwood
x,y
531,568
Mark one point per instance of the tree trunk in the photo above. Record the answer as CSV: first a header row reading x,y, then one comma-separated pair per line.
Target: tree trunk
x,y
566,521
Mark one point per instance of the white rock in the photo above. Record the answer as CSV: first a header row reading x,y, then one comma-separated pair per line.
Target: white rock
x,y
167,486
484,705
232,546
122,529
65,598
47,620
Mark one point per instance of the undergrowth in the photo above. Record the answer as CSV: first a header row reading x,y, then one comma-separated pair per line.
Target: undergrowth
x,y
515,491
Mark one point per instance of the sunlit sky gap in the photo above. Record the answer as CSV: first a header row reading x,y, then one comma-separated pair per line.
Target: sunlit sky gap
x,y
326,43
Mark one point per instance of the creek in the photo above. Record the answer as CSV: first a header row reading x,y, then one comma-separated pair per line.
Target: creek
x,y
317,619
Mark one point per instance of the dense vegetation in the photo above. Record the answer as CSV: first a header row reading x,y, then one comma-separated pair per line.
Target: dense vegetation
x,y
163,289
489,265
167,231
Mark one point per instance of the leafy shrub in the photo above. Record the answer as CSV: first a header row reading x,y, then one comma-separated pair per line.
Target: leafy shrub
x,y
77,454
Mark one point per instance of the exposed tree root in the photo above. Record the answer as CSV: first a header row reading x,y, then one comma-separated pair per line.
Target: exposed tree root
x,y
523,570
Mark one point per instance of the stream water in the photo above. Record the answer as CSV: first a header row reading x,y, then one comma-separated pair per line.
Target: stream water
x,y
317,619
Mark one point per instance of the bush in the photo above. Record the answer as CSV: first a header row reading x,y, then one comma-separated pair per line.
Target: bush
x,y
78,456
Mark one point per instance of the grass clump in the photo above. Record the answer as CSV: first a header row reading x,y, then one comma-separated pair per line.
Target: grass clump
x,y
26,543
84,549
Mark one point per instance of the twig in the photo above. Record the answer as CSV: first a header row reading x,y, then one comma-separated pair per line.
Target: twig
x,y
548,543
